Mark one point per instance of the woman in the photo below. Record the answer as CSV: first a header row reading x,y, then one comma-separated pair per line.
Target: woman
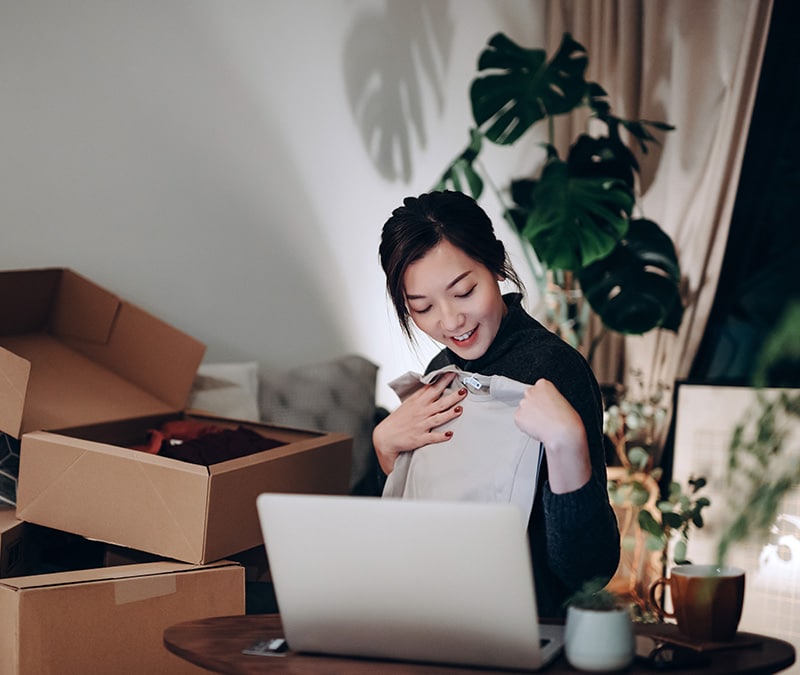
x,y
443,267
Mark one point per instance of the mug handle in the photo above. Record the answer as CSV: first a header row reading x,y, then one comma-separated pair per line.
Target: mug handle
x,y
662,613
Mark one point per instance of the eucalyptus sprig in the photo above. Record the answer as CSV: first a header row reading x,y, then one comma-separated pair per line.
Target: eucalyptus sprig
x,y
634,422
679,512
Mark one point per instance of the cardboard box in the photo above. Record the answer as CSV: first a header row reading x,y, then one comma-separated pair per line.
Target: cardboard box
x,y
13,555
165,506
110,620
83,376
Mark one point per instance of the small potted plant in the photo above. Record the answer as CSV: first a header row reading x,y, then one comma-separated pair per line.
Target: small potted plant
x,y
599,630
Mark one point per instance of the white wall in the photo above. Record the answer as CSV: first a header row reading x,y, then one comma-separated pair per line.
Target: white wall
x,y
204,158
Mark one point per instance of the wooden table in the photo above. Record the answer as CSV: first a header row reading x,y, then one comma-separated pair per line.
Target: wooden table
x,y
216,644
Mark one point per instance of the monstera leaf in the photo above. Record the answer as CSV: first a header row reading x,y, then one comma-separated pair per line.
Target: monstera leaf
x,y
575,221
637,287
602,156
527,88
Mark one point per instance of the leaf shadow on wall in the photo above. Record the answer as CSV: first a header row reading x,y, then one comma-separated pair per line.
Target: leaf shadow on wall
x,y
388,57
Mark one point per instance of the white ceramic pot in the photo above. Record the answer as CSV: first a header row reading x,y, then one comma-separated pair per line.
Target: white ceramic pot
x,y
599,641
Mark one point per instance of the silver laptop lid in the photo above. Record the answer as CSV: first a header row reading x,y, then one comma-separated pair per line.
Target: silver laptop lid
x,y
412,580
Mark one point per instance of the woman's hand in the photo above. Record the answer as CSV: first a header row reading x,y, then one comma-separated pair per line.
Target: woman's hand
x,y
545,414
415,422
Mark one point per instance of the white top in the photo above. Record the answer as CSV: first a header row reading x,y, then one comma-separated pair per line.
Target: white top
x,y
488,458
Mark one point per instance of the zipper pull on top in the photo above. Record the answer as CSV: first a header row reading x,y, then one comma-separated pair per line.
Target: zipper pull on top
x,y
472,381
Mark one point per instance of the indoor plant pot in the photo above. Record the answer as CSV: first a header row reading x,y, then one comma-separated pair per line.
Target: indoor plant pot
x,y
599,631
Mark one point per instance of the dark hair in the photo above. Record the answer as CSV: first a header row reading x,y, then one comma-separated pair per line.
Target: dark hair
x,y
423,222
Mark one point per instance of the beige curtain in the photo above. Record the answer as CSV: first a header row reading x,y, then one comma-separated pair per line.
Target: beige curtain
x,y
694,64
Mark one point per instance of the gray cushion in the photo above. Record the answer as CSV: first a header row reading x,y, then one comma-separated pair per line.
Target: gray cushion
x,y
227,390
337,395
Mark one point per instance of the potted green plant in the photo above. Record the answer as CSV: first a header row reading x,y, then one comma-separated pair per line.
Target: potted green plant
x,y
578,213
599,632
653,527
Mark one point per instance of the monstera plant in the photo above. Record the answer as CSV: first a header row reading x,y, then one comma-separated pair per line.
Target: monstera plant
x,y
578,213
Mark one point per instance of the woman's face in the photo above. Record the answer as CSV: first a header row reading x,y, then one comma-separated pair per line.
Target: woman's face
x,y
455,300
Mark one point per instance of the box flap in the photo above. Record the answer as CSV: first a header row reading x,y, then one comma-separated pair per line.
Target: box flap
x,y
107,574
149,353
26,300
8,519
83,310
14,374
76,354
65,388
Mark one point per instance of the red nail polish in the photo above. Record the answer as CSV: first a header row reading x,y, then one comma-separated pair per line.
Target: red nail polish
x,y
448,433
462,391
458,409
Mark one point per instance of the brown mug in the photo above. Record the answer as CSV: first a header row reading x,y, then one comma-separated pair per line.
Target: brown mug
x,y
707,600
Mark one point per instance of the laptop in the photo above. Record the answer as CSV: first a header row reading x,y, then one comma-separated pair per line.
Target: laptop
x,y
441,582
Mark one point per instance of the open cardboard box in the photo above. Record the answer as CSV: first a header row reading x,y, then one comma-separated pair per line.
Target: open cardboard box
x,y
110,620
83,376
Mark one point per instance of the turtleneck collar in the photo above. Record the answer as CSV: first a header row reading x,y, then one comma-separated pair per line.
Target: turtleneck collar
x,y
507,338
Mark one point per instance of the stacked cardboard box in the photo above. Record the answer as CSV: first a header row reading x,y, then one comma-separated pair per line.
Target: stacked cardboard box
x,y
83,376
109,620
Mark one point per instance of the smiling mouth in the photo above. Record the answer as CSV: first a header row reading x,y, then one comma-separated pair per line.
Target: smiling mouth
x,y
465,336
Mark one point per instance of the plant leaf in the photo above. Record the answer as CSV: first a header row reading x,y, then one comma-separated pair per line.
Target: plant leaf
x,y
638,457
637,286
649,524
461,174
527,87
638,129
639,495
576,221
654,543
602,156
697,483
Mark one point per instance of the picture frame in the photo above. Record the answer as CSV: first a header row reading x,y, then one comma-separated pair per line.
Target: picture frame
x,y
706,417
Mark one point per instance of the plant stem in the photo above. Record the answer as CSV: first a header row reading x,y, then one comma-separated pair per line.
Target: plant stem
x,y
595,343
